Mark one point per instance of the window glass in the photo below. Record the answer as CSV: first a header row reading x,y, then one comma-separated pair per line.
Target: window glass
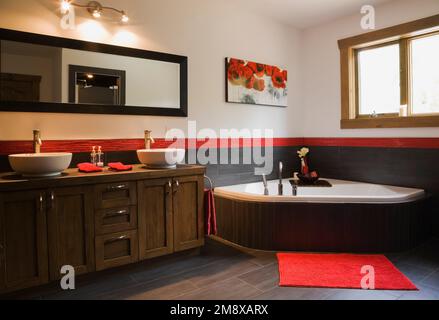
x,y
379,80
425,75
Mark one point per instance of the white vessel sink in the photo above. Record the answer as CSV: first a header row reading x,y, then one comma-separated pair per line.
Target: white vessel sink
x,y
36,165
161,158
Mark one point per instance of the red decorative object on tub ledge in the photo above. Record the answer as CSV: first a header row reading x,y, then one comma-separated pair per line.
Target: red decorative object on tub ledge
x,y
306,175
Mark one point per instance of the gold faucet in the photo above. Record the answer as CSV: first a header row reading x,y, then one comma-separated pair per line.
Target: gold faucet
x,y
148,139
37,141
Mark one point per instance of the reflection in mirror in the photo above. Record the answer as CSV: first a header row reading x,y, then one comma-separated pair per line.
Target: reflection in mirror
x,y
30,73
39,73
96,86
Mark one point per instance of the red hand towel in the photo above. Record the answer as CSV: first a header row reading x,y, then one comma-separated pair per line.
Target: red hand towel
x,y
210,212
119,166
88,168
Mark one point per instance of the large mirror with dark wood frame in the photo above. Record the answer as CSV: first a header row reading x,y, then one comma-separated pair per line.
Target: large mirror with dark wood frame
x,y
40,73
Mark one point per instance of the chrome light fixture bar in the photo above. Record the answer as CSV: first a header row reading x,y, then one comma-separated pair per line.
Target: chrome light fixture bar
x,y
94,8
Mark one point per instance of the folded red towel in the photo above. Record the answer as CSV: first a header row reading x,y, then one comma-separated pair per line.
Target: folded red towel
x,y
119,166
88,168
210,212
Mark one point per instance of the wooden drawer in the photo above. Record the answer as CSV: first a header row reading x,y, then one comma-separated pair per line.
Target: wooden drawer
x,y
116,249
115,195
115,220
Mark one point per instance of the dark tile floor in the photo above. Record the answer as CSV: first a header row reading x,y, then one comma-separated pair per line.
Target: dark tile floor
x,y
227,272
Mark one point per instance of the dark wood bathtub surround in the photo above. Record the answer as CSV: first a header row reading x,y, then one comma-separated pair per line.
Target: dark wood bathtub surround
x,y
313,227
400,162
95,221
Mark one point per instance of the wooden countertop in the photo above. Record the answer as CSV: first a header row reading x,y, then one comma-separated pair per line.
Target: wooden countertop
x,y
72,177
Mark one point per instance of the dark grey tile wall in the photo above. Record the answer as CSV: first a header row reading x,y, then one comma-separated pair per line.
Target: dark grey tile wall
x,y
229,174
417,168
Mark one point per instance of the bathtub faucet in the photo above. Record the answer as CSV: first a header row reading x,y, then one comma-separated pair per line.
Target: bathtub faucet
x,y
294,189
281,187
264,181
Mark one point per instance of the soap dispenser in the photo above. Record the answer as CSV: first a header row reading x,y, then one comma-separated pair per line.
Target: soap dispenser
x,y
93,156
100,158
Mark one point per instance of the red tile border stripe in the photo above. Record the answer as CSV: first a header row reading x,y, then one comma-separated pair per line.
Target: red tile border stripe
x,y
11,147
415,143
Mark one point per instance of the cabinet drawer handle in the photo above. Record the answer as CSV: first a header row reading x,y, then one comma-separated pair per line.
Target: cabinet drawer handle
x,y
117,188
52,200
169,187
116,213
116,239
41,201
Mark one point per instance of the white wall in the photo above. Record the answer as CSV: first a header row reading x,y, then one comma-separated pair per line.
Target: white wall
x,y
321,85
207,31
204,30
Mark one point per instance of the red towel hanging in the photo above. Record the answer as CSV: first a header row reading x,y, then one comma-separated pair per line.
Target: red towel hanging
x,y
210,212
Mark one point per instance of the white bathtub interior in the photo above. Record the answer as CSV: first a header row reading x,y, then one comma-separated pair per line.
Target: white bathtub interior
x,y
340,192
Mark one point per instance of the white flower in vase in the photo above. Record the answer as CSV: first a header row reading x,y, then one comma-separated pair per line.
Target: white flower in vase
x,y
303,153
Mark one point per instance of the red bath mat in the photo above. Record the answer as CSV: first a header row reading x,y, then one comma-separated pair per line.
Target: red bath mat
x,y
340,271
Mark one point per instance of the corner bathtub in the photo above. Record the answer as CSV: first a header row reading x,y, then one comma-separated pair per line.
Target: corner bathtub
x,y
348,217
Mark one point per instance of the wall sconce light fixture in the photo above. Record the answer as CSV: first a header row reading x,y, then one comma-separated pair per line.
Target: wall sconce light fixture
x,y
94,8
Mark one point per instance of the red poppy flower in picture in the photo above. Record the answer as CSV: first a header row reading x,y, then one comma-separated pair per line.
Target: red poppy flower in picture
x,y
279,79
269,70
250,82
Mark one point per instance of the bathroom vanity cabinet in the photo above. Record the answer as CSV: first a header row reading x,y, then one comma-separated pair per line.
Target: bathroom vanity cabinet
x,y
170,215
95,221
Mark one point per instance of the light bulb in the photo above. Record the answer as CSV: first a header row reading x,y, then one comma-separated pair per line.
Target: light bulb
x,y
96,14
125,18
65,6
90,76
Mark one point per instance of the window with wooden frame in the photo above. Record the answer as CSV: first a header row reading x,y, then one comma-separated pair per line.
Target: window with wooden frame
x,y
390,77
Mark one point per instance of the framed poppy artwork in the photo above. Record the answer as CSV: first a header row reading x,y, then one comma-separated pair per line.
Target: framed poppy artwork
x,y
256,83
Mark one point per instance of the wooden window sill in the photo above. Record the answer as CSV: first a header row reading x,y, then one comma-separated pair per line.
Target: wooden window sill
x,y
391,122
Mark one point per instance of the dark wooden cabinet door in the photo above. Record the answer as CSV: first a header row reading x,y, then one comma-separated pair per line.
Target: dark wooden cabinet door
x,y
23,232
155,218
71,230
188,199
